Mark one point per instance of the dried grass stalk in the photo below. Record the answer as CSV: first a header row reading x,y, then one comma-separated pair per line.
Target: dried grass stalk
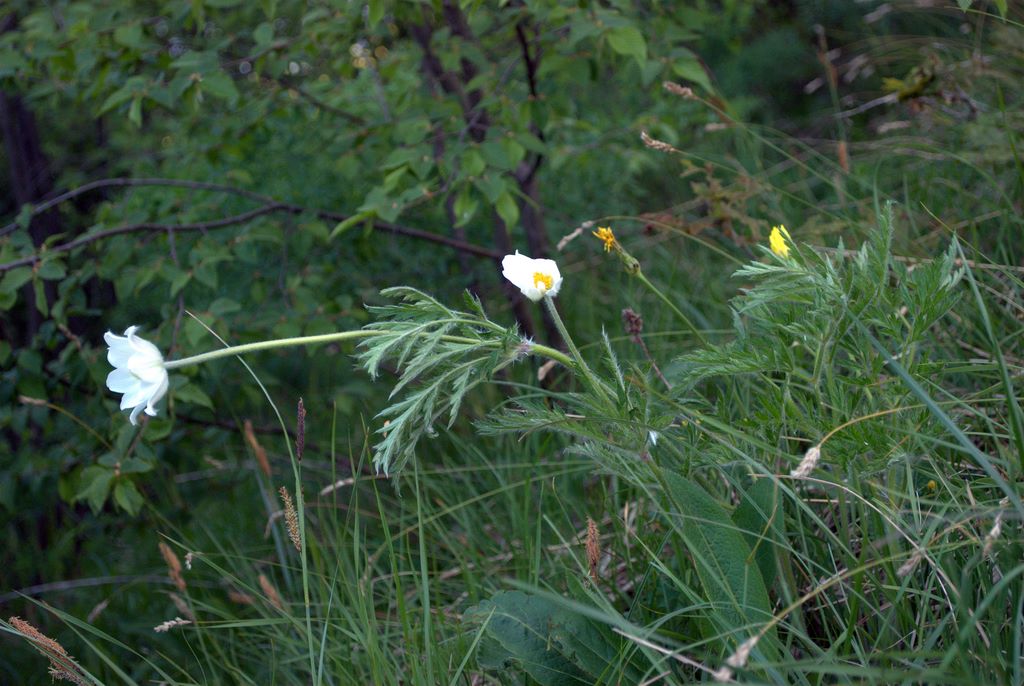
x,y
257,449
62,666
173,566
270,591
291,518
170,624
807,465
593,546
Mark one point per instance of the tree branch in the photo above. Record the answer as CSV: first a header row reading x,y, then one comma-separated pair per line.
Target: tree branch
x,y
122,182
269,206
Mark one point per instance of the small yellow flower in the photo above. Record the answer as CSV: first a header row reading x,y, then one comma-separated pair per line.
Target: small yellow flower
x,y
605,235
932,486
778,241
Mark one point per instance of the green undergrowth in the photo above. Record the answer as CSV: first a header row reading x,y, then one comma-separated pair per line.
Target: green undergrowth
x,y
779,467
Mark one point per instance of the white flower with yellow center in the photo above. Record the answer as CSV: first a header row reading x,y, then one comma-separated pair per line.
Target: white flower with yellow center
x,y
535,278
139,372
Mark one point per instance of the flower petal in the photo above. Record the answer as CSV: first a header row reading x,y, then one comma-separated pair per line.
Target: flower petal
x,y
139,372
121,380
147,369
523,272
136,396
516,268
120,350
155,396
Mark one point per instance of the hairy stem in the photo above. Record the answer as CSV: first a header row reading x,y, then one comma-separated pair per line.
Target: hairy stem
x,y
339,336
580,363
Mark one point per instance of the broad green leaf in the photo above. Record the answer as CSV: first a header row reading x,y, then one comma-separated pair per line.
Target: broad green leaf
x,y
180,280
727,571
758,517
628,41
220,85
554,645
130,36
190,393
376,12
465,206
94,486
15,279
492,186
343,226
135,111
263,35
690,68
496,155
472,163
127,496
51,270
507,209
42,304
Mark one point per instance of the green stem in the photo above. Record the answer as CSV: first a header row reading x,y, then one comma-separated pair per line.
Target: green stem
x,y
679,313
231,351
581,364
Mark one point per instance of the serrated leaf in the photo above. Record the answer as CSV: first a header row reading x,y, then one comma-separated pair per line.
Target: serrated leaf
x,y
444,351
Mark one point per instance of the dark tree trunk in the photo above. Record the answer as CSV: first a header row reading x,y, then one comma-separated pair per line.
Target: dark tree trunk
x,y
31,181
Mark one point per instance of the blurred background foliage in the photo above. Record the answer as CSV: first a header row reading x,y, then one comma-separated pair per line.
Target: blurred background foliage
x,y
265,168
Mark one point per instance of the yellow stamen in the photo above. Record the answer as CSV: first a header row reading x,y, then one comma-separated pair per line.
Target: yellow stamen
x,y
542,282
605,235
777,241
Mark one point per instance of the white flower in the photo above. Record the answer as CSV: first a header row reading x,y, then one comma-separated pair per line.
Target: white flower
x,y
139,372
535,278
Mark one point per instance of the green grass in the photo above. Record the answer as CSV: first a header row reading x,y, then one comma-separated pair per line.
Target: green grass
x,y
890,340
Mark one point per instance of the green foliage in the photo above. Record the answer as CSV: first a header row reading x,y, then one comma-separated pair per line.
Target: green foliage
x,y
271,166
730,578
554,645
444,351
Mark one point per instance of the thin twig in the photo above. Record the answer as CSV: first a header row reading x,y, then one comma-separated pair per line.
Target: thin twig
x,y
270,206
121,182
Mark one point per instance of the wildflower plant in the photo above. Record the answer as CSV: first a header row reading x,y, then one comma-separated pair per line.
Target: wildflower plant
x,y
440,354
